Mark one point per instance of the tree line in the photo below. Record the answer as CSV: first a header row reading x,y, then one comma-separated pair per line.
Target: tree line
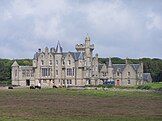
x,y
153,66
5,68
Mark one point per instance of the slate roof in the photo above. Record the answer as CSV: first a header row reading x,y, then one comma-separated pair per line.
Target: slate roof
x,y
146,76
64,54
135,66
121,67
77,55
59,48
100,67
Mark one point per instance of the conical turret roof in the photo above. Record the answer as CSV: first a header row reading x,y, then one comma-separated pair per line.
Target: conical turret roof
x,y
58,48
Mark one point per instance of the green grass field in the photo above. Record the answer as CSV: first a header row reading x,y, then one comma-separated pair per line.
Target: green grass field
x,y
79,105
155,85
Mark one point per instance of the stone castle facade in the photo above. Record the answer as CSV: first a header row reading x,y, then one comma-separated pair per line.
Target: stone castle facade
x,y
57,68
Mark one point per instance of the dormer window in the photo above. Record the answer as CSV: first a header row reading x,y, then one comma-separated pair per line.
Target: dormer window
x,y
128,73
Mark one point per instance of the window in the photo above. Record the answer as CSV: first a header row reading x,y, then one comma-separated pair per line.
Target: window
x,y
63,81
42,62
128,81
32,73
118,73
88,81
70,72
63,62
69,81
46,71
69,62
50,62
56,72
73,71
28,73
56,62
23,73
15,73
138,74
128,73
104,74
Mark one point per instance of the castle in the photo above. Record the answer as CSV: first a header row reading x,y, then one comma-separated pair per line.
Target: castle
x,y
57,68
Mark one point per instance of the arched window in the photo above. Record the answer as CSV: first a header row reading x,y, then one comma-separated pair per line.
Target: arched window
x,y
42,62
69,62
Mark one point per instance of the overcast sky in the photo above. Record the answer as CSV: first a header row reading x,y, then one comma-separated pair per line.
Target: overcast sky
x,y
118,28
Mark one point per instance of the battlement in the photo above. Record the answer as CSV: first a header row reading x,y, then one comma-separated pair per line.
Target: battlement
x,y
80,47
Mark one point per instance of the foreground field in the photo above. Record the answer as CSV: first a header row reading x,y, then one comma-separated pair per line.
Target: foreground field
x,y
78,105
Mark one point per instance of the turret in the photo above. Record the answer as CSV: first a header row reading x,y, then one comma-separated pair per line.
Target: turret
x,y
87,47
110,69
46,50
58,48
110,63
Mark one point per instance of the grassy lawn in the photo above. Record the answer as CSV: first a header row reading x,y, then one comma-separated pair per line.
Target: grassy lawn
x,y
79,105
155,85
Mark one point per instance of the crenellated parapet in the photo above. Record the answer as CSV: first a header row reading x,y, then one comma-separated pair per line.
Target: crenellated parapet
x,y
80,47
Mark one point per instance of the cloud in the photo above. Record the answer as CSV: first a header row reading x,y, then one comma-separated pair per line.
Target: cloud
x,y
154,21
117,27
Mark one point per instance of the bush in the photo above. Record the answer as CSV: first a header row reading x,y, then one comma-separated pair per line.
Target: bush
x,y
147,87
10,87
37,87
54,86
32,87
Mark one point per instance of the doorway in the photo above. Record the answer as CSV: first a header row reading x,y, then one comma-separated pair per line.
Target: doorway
x,y
118,83
27,82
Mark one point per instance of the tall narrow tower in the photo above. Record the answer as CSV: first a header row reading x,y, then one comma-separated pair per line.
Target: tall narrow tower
x,y
110,69
88,57
87,47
